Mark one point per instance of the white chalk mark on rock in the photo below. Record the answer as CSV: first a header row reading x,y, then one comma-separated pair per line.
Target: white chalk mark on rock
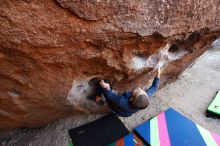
x,y
79,91
14,93
138,62
159,59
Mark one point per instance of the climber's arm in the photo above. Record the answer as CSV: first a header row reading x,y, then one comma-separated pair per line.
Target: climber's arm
x,y
109,94
155,85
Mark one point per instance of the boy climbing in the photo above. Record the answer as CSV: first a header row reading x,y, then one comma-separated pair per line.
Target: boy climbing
x,y
129,102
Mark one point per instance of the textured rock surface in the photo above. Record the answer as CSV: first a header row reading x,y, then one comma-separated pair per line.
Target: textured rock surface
x,y
49,50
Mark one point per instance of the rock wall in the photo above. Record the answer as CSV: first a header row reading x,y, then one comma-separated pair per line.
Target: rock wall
x,y
51,49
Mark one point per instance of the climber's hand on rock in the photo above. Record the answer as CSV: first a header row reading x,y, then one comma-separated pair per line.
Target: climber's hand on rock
x,y
158,72
104,85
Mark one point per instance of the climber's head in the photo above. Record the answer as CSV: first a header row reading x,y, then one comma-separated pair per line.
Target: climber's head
x,y
139,99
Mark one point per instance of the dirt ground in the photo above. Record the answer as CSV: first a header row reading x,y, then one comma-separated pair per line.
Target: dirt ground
x,y
190,94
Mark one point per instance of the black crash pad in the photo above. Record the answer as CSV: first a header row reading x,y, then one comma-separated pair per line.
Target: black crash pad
x,y
98,133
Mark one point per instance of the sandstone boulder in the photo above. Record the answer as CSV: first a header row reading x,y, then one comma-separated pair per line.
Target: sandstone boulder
x,y
50,50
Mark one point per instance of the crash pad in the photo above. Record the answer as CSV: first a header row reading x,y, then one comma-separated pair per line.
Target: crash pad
x,y
172,128
99,132
214,107
129,140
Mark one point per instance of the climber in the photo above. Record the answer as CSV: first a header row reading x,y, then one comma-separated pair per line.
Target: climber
x,y
129,102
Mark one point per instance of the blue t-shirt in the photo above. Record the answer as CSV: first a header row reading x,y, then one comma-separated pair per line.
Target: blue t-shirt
x,y
120,104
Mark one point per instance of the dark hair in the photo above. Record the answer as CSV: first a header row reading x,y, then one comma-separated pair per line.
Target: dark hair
x,y
140,102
